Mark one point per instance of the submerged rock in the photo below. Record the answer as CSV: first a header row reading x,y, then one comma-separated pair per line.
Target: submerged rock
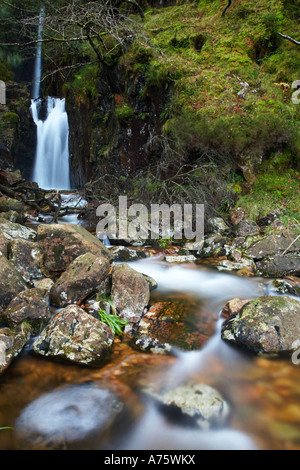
x,y
62,243
130,292
75,416
30,306
12,341
170,325
192,404
268,324
74,335
82,277
11,283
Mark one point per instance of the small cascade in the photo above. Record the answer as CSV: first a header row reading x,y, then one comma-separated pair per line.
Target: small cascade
x,y
51,167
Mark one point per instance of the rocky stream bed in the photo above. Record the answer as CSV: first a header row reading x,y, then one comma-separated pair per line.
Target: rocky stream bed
x,y
208,353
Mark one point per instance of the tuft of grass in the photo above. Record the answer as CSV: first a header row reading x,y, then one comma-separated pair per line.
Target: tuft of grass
x,y
115,323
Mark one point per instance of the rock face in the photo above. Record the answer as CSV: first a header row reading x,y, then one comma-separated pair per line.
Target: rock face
x,y
268,324
194,404
29,306
82,277
12,342
130,292
11,283
75,336
62,243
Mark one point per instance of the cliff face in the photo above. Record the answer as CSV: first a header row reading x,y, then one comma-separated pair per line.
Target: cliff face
x,y
17,130
112,127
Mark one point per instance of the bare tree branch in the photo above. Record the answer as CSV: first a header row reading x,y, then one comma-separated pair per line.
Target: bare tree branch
x,y
289,39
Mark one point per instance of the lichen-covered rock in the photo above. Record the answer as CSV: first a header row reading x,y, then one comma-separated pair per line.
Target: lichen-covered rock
x,y
274,244
82,277
130,292
27,258
11,283
29,306
12,230
12,341
123,253
9,204
196,404
215,246
279,266
268,324
217,225
245,228
172,325
62,243
75,336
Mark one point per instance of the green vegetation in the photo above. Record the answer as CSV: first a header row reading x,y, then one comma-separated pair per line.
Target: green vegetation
x,y
115,323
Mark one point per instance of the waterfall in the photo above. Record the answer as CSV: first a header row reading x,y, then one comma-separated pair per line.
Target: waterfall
x,y
38,59
51,167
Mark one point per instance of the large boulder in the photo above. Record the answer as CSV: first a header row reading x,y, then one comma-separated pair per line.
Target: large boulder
x,y
30,306
11,283
12,341
75,336
268,324
12,231
62,243
130,292
279,266
27,258
82,277
274,244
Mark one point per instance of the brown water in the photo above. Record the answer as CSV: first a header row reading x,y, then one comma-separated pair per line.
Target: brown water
x,y
263,393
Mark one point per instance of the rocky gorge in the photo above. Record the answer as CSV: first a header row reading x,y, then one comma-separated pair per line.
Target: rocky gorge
x,y
58,278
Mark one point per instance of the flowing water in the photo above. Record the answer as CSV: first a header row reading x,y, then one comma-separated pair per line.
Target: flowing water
x,y
263,394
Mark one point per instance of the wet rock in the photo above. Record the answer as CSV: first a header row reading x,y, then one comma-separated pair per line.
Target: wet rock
x,y
233,307
130,292
123,253
82,277
10,178
268,324
12,231
276,243
171,324
9,204
70,417
27,258
62,243
215,246
11,283
279,266
290,285
12,341
75,336
29,306
217,225
227,265
193,404
152,282
181,259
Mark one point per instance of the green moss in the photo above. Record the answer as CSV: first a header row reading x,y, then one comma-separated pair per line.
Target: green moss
x,y
124,112
10,118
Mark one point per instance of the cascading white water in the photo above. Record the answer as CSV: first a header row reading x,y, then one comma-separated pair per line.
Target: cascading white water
x,y
51,167
38,60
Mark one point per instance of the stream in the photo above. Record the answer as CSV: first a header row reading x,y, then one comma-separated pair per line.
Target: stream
x,y
263,394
